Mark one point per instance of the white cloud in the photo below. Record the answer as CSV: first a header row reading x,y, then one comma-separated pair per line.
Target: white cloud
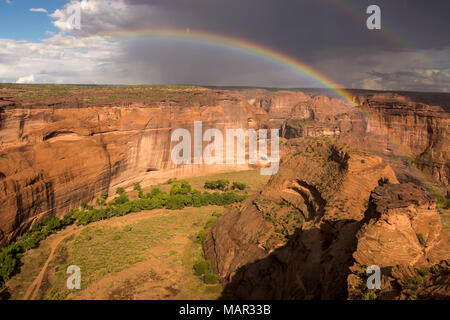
x,y
27,79
38,10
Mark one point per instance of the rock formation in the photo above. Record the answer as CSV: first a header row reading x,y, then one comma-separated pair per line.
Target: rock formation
x,y
55,154
317,221
60,145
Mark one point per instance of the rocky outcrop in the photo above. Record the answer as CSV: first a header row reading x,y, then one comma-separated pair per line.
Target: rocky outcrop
x,y
317,219
402,234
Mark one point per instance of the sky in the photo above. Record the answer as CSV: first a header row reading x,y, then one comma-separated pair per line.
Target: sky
x,y
411,51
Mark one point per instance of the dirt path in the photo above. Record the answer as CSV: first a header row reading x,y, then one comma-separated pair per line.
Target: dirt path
x,y
33,289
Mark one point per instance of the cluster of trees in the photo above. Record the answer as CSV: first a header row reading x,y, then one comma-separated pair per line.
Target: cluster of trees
x,y
181,195
202,267
10,255
223,185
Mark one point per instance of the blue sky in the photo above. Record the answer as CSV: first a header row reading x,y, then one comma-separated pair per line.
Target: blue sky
x,y
17,22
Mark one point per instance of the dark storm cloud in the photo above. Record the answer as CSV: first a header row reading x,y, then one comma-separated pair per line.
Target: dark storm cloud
x,y
329,36
311,25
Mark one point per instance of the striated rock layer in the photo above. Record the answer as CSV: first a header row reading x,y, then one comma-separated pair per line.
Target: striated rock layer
x,y
390,125
55,156
60,145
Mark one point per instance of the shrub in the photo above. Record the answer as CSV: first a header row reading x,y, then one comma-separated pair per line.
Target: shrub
x,y
123,198
210,278
201,236
210,223
8,263
116,237
421,239
183,187
104,195
137,186
217,184
216,214
120,190
369,295
177,202
83,205
202,267
100,202
238,185
418,281
424,271
127,229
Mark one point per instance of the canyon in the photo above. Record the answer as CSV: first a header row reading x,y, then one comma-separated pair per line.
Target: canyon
x,y
341,165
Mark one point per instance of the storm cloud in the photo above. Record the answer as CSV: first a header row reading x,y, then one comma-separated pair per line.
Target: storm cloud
x,y
410,52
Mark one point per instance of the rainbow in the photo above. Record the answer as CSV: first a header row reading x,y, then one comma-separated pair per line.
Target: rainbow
x,y
239,45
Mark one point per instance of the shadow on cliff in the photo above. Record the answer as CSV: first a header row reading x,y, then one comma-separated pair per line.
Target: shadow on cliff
x,y
313,264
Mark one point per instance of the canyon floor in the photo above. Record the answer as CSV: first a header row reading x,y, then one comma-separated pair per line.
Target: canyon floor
x,y
153,260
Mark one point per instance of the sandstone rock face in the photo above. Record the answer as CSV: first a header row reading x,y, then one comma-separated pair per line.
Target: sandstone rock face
x,y
317,219
389,125
403,227
55,156
294,239
422,131
402,234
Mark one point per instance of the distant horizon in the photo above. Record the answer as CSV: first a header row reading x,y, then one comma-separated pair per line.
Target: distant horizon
x,y
222,87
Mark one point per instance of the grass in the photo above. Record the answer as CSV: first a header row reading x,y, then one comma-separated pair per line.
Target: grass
x,y
252,178
106,249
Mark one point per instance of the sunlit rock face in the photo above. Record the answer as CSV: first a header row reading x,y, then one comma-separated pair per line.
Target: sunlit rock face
x,y
54,157
59,151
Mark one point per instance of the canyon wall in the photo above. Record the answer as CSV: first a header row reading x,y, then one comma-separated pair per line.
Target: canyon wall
x,y
55,156
412,137
63,145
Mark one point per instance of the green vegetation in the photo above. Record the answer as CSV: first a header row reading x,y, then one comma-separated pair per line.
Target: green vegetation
x,y
369,295
217,185
416,282
181,195
211,278
3,156
238,185
137,186
202,267
424,271
441,202
421,239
